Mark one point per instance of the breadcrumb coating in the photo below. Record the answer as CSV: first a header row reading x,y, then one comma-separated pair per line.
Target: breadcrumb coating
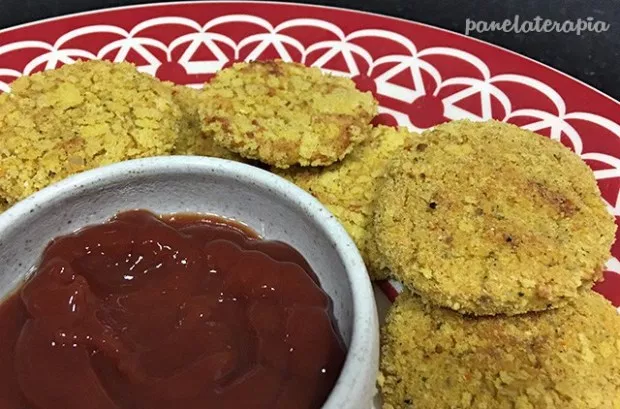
x,y
347,188
488,218
285,114
80,116
192,140
435,358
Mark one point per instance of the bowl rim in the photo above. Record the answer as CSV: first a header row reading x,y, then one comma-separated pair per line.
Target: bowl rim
x,y
363,301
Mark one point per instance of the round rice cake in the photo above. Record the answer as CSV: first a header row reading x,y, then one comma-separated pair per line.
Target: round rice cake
x,y
192,140
285,114
488,218
80,116
347,188
436,358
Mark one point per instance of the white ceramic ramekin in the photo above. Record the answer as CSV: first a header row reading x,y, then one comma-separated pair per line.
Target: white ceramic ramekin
x,y
272,206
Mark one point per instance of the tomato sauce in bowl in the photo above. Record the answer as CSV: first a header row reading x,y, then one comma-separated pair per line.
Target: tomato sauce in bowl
x,y
180,311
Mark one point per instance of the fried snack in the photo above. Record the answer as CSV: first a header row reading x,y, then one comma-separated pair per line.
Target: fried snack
x,y
435,358
285,114
487,218
78,117
347,188
192,140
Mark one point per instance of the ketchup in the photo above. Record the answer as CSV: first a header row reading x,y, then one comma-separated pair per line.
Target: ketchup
x,y
182,311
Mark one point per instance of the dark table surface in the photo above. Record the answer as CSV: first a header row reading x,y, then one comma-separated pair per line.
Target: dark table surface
x,y
592,57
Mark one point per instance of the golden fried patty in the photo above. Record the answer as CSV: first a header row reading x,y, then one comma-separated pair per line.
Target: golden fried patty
x,y
488,218
436,358
192,140
347,188
80,116
285,113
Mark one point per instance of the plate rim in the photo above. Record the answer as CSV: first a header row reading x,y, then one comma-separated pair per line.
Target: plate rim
x,y
303,5
493,50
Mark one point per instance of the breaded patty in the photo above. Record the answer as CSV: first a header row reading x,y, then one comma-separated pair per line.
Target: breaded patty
x,y
488,218
192,140
347,188
285,114
435,358
80,116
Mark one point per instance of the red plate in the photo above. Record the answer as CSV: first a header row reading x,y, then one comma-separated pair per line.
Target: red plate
x,y
421,75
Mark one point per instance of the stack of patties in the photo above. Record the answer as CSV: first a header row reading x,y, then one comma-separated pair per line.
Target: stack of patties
x,y
88,114
311,128
498,235
348,188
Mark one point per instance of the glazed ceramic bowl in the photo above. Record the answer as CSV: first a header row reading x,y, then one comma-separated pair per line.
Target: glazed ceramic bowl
x,y
272,206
